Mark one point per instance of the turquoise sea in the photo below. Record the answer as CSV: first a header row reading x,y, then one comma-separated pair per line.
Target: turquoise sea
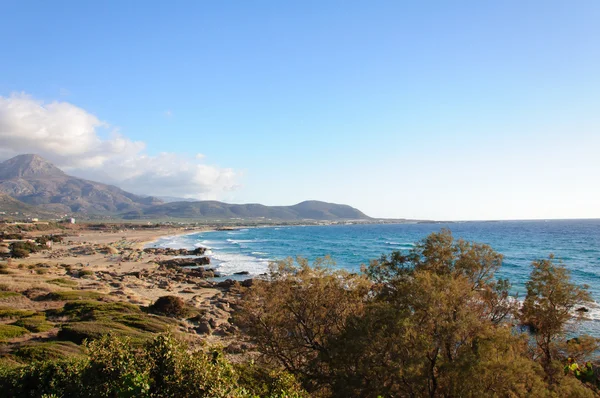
x,y
575,242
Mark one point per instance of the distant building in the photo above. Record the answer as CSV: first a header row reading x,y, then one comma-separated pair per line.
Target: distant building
x,y
72,220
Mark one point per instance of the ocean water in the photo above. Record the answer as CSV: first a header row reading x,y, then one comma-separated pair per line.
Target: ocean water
x,y
574,242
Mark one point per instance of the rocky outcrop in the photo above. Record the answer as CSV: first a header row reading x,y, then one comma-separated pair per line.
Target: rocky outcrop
x,y
165,251
185,262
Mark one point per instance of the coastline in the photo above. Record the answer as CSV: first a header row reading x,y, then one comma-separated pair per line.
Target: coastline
x,y
114,265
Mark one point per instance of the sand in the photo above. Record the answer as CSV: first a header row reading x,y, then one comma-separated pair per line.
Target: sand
x,y
113,257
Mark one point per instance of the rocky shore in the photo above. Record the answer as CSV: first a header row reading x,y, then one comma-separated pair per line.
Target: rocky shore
x,y
117,268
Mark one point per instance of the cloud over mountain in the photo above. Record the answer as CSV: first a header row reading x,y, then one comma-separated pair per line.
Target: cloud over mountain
x,y
74,139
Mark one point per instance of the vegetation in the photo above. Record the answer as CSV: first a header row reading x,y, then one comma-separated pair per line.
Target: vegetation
x,y
172,306
163,367
35,323
22,249
11,331
433,323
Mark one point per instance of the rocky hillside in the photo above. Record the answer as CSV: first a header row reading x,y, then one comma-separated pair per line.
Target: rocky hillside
x,y
313,210
35,181
31,184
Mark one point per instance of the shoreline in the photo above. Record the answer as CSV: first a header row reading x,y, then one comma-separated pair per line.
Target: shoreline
x,y
114,265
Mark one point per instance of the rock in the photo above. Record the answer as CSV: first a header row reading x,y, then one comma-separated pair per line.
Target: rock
x,y
175,252
234,348
204,328
185,262
203,284
582,309
241,273
226,284
247,283
186,291
212,322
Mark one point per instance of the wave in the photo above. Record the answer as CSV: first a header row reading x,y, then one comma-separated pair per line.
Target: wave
x,y
230,263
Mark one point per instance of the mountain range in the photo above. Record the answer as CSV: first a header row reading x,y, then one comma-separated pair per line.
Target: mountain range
x,y
33,185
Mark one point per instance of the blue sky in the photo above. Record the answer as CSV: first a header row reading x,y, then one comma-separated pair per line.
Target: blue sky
x,y
439,110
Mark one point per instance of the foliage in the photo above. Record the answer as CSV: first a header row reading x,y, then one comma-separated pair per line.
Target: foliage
x,y
63,282
11,331
6,312
171,306
92,319
162,368
548,306
293,315
72,295
35,323
433,322
44,351
22,249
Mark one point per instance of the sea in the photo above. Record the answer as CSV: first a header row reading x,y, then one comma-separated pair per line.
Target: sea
x,y
575,243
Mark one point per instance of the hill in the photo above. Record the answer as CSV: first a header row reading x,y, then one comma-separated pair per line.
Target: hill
x,y
9,206
35,181
31,184
308,210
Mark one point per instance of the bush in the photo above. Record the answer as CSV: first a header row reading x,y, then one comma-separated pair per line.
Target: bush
x,y
15,313
22,249
11,331
7,294
171,306
71,295
35,324
77,332
162,368
19,253
63,282
45,351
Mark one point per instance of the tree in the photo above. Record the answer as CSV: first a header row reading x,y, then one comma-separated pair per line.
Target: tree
x,y
548,307
293,315
434,321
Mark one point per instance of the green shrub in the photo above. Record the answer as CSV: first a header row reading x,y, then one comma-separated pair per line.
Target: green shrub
x,y
114,367
45,351
146,323
70,295
35,324
172,306
61,378
88,310
14,313
85,272
11,331
77,332
63,282
6,294
19,253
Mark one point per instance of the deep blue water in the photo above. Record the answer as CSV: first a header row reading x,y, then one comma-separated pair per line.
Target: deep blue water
x,y
575,242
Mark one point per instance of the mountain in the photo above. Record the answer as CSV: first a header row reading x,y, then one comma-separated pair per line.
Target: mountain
x,y
30,184
9,206
313,210
35,181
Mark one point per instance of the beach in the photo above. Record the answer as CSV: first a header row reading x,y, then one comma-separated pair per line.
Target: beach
x,y
115,265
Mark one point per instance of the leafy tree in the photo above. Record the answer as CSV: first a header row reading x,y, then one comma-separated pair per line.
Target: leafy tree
x,y
548,308
293,315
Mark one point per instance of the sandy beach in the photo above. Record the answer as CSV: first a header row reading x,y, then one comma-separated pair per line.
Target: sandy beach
x,y
114,264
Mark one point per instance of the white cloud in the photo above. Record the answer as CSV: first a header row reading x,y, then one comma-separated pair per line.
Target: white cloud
x,y
70,137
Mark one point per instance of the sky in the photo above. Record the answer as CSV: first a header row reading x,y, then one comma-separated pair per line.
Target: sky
x,y
446,110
